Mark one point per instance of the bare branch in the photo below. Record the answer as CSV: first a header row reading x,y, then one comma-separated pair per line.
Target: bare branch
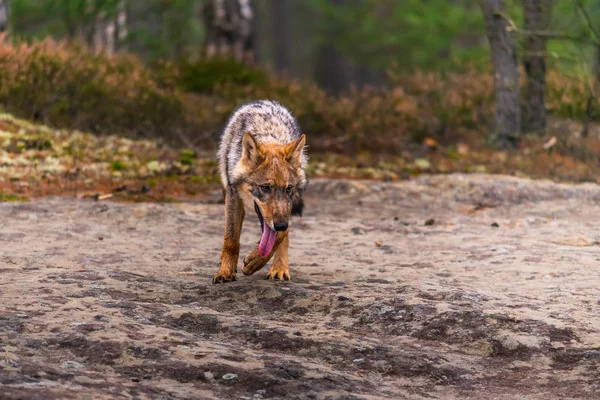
x,y
586,15
556,36
549,34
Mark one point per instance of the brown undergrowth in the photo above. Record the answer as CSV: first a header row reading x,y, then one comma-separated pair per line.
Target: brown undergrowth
x,y
187,102
154,128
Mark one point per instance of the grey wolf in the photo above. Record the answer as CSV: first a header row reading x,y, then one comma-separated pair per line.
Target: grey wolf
x,y
262,162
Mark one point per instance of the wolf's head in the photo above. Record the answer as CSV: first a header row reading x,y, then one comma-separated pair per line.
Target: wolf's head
x,y
272,180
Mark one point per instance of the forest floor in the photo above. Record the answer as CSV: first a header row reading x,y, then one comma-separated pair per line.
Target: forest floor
x,y
437,287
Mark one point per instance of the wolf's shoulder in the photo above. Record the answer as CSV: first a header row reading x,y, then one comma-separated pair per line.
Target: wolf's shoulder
x,y
263,107
267,120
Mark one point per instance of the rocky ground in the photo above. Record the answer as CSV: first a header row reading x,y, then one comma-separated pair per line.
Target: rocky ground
x,y
442,287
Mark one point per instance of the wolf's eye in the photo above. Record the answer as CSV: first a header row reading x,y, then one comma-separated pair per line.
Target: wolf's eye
x,y
290,189
265,188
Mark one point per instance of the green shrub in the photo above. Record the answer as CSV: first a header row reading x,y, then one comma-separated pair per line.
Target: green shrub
x,y
204,76
12,198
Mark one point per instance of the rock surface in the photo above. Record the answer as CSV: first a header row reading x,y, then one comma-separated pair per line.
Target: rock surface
x,y
495,297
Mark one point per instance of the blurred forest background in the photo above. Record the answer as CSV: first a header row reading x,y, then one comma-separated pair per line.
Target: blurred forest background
x,y
337,43
400,86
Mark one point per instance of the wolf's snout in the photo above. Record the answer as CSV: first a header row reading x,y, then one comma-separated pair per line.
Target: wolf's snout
x,y
280,226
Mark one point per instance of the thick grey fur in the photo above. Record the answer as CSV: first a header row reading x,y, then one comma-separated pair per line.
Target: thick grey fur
x,y
268,121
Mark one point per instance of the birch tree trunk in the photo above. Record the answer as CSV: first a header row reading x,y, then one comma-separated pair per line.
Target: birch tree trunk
x,y
104,30
229,29
121,26
101,30
4,22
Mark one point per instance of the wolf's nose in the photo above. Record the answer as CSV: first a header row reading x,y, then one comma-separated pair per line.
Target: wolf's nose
x,y
280,226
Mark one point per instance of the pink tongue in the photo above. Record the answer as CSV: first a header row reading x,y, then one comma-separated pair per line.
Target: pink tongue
x,y
267,241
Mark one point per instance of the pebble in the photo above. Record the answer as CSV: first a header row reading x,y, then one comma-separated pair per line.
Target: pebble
x,y
229,377
209,375
72,365
86,380
11,362
500,250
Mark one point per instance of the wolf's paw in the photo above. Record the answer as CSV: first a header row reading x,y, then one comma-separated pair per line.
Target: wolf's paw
x,y
253,262
223,277
279,272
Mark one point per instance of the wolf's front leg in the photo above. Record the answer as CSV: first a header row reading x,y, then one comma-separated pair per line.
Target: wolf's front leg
x,y
254,261
280,268
234,216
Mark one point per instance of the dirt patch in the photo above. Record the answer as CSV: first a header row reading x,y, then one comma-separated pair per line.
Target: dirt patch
x,y
96,352
496,298
199,323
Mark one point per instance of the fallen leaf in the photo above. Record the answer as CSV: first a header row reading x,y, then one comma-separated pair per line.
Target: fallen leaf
x,y
431,143
576,242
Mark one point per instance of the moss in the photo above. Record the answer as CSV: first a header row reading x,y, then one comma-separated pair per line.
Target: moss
x,y
12,198
118,166
187,157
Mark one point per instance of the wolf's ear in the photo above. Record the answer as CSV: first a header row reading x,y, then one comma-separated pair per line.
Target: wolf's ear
x,y
251,149
293,151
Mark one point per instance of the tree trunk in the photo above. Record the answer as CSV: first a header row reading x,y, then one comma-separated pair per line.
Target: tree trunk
x,y
121,24
229,26
4,16
506,74
105,34
107,28
281,44
333,72
592,97
537,18
245,34
210,28
143,21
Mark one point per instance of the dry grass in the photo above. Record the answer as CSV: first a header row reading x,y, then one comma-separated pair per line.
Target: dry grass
x,y
37,161
65,86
